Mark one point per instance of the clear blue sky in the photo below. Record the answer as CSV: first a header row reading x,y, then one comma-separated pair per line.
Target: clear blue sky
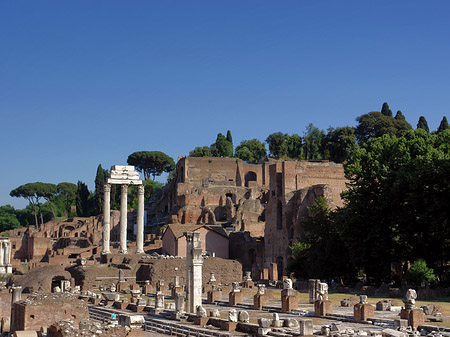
x,y
84,82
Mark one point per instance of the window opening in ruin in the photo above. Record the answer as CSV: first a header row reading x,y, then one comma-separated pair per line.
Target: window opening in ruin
x,y
252,256
14,246
280,267
250,176
279,215
279,184
32,316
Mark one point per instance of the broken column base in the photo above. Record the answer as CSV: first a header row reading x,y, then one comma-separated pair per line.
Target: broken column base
x,y
288,303
415,317
259,301
361,312
323,308
234,298
228,326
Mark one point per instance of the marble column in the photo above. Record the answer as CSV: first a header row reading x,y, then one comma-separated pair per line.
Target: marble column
x,y
106,218
123,218
8,253
2,253
140,221
194,262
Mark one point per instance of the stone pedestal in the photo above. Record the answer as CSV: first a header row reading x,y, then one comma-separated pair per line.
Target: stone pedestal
x,y
415,317
361,312
228,326
323,308
214,296
234,298
249,284
306,327
288,303
259,301
202,321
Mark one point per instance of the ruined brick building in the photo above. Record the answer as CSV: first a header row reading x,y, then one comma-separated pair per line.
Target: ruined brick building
x,y
262,204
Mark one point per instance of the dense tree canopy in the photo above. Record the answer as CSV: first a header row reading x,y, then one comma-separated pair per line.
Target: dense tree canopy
x,y
339,144
398,202
222,147
374,124
251,150
8,218
201,151
69,192
151,163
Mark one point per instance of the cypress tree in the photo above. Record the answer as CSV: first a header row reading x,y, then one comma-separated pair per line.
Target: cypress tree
x,y
422,124
385,110
100,180
399,116
444,125
82,201
230,140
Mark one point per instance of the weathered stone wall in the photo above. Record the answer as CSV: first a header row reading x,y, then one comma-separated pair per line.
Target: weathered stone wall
x,y
43,310
294,186
5,303
226,271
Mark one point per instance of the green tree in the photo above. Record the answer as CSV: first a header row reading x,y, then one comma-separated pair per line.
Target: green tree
x,y
100,181
69,192
419,273
32,193
443,125
82,200
385,110
396,201
222,147
339,144
8,218
399,116
321,253
374,124
250,150
294,145
201,152
229,138
423,124
151,163
312,142
48,192
277,144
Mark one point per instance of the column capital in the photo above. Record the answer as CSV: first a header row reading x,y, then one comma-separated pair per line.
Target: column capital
x,y
107,188
124,188
141,189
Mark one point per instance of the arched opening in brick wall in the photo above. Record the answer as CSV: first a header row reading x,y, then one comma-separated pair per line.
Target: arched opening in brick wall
x,y
250,176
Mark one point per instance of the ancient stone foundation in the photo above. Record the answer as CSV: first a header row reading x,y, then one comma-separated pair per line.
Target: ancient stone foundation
x,y
361,312
322,308
415,317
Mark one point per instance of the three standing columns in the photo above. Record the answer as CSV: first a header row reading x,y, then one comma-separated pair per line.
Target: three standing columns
x,y
123,220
